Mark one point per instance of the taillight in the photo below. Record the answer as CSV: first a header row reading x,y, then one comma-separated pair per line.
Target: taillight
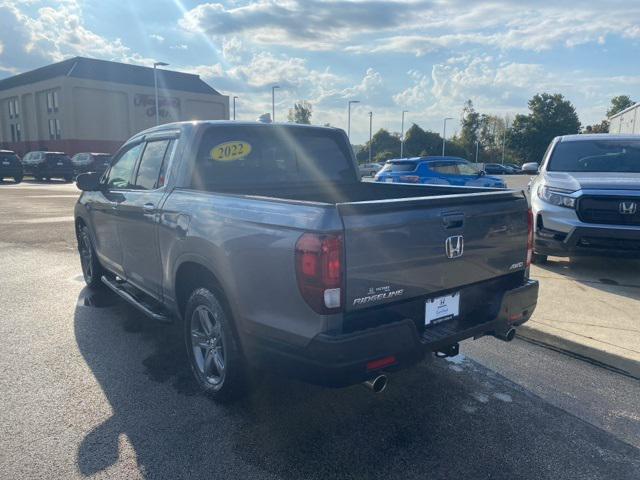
x,y
319,271
410,178
529,236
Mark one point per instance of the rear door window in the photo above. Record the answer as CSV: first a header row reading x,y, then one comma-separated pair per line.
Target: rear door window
x,y
445,168
150,165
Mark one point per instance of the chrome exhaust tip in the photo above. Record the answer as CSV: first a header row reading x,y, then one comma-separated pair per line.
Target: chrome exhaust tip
x,y
377,384
506,335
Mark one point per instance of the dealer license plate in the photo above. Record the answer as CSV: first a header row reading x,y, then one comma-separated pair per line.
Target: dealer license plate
x,y
6,163
442,308
388,180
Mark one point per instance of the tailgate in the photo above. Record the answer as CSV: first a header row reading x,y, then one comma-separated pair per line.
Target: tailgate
x,y
404,248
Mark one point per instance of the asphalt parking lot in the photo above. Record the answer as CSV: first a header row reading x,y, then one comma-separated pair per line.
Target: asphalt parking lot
x,y
90,388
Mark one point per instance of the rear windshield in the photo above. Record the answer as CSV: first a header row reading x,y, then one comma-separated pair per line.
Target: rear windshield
x,y
596,156
250,155
399,167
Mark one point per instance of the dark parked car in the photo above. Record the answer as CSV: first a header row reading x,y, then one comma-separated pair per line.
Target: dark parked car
x,y
10,166
497,169
90,162
47,165
264,244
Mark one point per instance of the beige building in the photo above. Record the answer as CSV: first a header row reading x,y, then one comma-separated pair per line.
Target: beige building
x,y
88,105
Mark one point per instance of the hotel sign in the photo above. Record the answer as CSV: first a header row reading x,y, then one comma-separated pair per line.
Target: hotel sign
x,y
148,102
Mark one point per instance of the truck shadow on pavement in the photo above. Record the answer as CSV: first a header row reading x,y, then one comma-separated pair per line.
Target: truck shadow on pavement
x,y
441,419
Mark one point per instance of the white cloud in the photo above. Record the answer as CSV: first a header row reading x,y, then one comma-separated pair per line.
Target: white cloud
x,y
158,38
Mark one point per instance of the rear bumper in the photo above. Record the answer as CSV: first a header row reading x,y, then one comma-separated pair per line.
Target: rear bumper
x,y
341,360
589,240
10,170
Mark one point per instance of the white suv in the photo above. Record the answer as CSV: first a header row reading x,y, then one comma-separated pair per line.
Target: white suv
x,y
586,197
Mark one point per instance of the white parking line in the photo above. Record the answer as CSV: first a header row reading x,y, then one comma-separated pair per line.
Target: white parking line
x,y
38,220
51,196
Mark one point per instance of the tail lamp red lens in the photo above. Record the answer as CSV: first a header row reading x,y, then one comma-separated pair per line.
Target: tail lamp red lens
x,y
529,236
319,271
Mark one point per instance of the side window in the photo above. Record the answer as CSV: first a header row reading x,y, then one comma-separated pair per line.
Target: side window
x,y
122,168
446,168
150,165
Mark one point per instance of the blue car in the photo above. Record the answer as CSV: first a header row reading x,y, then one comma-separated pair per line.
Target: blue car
x,y
436,171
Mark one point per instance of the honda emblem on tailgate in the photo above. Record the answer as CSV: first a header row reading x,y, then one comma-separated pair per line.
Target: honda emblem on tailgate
x,y
454,246
628,208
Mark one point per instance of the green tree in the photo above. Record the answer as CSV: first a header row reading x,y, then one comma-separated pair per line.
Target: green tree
x,y
618,104
301,112
550,115
419,142
383,156
381,141
602,127
470,124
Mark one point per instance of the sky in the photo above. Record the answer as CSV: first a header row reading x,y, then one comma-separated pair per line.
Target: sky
x,y
426,57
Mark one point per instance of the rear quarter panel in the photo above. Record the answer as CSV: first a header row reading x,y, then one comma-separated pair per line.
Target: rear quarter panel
x,y
248,244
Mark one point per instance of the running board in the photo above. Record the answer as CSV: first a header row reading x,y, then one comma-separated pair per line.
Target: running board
x,y
118,289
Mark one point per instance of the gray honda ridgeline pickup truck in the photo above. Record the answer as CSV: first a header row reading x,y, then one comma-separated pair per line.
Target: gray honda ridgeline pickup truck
x,y
264,243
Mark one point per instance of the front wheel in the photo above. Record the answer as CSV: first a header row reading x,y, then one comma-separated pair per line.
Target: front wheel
x,y
212,348
92,271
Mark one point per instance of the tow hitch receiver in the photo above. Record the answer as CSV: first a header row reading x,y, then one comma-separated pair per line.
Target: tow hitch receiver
x,y
448,351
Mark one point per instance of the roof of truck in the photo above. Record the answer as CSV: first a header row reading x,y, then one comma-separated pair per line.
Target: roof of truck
x,y
583,137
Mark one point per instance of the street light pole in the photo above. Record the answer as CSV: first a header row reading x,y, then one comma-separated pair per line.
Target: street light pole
x,y
155,86
234,106
349,117
273,103
402,135
477,144
370,132
444,133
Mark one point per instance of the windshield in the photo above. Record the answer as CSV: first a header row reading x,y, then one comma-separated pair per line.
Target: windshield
x,y
399,167
596,156
271,155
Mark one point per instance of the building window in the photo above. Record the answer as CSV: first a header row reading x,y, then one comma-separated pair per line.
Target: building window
x,y
13,132
52,101
55,132
18,132
16,107
10,108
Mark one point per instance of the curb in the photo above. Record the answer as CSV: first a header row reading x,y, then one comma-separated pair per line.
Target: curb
x,y
620,364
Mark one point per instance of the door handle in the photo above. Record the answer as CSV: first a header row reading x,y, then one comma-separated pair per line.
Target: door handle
x,y
149,207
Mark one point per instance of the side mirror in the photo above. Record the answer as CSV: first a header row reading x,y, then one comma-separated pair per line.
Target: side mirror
x,y
88,182
531,168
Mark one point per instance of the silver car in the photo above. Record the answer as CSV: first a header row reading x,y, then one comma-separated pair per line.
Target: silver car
x,y
586,197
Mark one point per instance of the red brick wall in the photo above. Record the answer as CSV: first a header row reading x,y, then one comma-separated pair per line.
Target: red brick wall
x,y
70,147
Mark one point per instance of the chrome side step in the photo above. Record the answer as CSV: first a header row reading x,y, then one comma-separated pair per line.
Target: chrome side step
x,y
118,289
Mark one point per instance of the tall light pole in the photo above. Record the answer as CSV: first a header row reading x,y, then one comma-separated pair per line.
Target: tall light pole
x,y
477,145
402,135
370,132
155,84
273,103
234,106
444,133
349,117
504,137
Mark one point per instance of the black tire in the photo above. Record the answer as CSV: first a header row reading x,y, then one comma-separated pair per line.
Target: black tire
x,y
92,271
18,178
213,349
538,258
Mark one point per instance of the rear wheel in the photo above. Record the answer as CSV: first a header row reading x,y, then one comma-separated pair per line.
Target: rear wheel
x,y
212,347
92,271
